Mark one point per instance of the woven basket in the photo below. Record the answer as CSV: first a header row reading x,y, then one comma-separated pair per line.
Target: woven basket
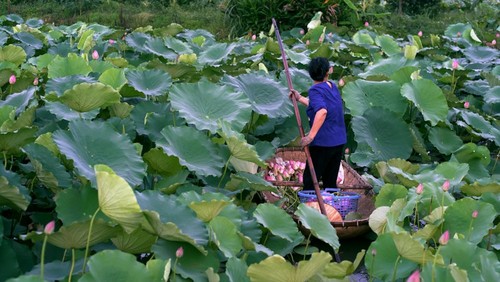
x,y
353,182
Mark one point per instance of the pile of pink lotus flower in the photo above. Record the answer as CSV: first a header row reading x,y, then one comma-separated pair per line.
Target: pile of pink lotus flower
x,y
285,170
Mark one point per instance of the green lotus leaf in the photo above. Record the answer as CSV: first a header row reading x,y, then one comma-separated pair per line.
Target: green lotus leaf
x,y
382,254
85,97
157,47
410,52
100,30
180,47
481,54
451,171
277,221
215,54
160,162
137,40
23,120
492,96
477,157
3,38
99,66
150,118
276,268
59,85
458,219
75,235
120,110
207,210
11,194
119,265
30,278
193,148
203,104
244,180
48,168
428,98
169,210
298,57
318,224
344,268
238,146
71,65
388,45
361,95
438,135
236,270
453,29
479,189
19,100
389,193
226,237
86,41
113,77
362,37
159,269
76,205
267,96
411,249
386,134
387,67
136,242
486,130
28,39
117,199
13,54
64,112
11,142
150,82
404,74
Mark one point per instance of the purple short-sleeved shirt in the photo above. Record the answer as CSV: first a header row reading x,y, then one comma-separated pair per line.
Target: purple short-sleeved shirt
x,y
333,131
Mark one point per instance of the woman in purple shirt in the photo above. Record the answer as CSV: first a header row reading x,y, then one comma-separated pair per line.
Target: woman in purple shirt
x,y
327,136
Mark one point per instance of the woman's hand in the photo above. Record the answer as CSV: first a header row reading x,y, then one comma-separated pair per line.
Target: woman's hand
x,y
294,94
306,140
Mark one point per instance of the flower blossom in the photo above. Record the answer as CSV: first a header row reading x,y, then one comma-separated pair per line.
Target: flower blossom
x,y
254,37
179,253
414,277
443,240
474,214
49,228
366,24
446,185
419,189
12,79
420,34
466,104
95,55
454,65
35,81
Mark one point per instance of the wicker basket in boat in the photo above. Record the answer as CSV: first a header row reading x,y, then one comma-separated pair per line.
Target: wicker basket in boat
x,y
352,182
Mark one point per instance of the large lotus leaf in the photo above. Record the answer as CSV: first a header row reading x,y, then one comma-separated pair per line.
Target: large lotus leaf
x,y
71,65
298,57
150,82
389,193
137,40
388,44
170,210
89,143
404,74
382,254
193,148
387,67
113,77
361,95
86,41
99,66
344,268
177,45
479,188
160,162
76,205
318,224
215,54
444,139
454,172
492,95
300,79
411,249
428,98
116,264
3,38
157,47
480,264
226,237
477,157
481,54
207,210
11,195
267,96
23,120
203,104
236,270
75,236
12,141
398,171
28,39
59,85
117,199
48,168
387,135
245,180
13,54
85,97
458,219
277,269
238,146
150,118
277,221
136,242
19,100
64,112
486,130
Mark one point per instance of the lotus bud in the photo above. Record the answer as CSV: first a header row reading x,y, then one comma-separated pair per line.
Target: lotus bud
x,y
374,252
498,35
308,42
341,82
35,81
420,34
301,31
302,166
111,42
474,214
279,177
459,34
95,55
12,79
300,177
466,104
367,24
179,253
414,277
446,185
346,150
455,65
443,240
419,189
493,42
254,37
49,228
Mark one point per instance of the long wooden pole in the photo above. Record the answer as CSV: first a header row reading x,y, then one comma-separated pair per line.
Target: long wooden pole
x,y
299,123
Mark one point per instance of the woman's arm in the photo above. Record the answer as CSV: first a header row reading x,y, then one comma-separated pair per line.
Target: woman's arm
x,y
319,119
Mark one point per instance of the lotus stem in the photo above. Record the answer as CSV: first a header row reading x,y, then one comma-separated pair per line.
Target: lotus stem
x,y
307,245
5,160
370,273
395,268
433,274
223,174
72,264
88,240
64,255
453,82
42,262
495,164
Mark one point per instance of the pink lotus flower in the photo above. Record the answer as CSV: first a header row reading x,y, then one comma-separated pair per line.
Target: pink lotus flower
x,y
49,228
446,185
493,42
454,65
420,34
498,35
111,42
414,277
474,214
35,81
12,79
308,42
95,55
346,150
459,34
443,240
341,82
466,104
419,189
367,24
254,37
179,253
301,32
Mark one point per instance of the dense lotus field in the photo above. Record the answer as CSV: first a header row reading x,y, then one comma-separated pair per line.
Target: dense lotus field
x,y
140,156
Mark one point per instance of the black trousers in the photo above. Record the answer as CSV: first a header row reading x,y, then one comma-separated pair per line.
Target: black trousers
x,y
326,161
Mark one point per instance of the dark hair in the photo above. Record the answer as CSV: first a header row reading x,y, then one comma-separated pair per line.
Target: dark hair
x,y
318,67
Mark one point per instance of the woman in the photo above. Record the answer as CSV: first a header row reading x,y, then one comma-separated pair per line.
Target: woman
x,y
327,136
